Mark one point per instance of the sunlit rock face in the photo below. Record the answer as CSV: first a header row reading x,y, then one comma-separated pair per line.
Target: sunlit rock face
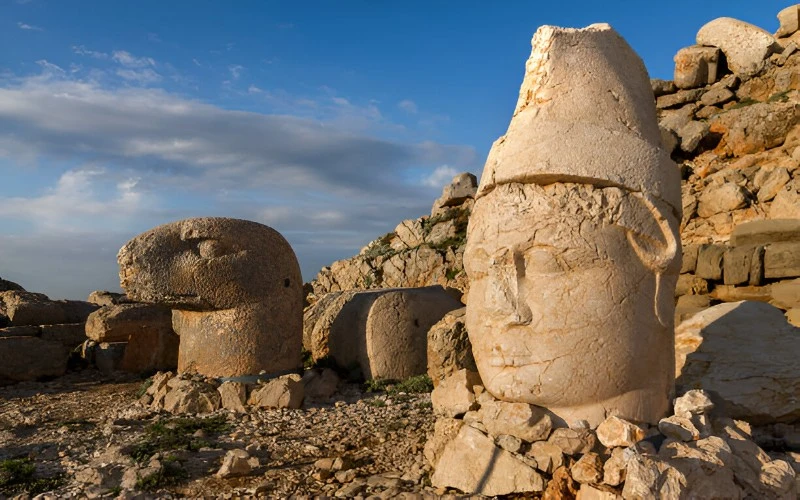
x,y
234,287
572,249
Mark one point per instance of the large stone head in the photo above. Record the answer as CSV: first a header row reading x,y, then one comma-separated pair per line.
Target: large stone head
x,y
210,263
235,290
572,249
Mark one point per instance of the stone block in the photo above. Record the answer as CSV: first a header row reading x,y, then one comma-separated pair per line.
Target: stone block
x,y
69,335
782,260
786,294
789,19
30,358
746,47
696,66
151,350
689,258
121,322
108,356
737,262
710,262
762,232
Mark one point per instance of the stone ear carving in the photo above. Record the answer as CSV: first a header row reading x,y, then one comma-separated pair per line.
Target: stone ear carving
x,y
660,255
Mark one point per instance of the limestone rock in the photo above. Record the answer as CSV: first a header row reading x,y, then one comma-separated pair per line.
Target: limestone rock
x,y
588,469
746,47
473,464
454,395
70,335
444,431
691,134
761,232
649,477
693,402
786,294
6,286
679,428
233,396
234,287
573,441
614,468
108,356
786,204
236,463
662,87
595,492
789,19
744,353
27,308
118,323
706,465
461,188
548,456
772,184
754,128
561,485
320,384
151,349
615,431
696,66
527,422
384,332
449,348
283,392
719,199
188,396
782,260
31,358
106,298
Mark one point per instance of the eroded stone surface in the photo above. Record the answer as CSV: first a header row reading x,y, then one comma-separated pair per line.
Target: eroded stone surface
x,y
234,287
545,234
746,47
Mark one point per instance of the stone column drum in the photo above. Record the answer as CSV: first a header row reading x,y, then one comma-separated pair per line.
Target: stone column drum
x,y
235,290
573,248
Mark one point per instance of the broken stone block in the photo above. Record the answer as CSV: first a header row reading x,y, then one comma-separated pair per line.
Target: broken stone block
x,y
696,66
453,396
283,392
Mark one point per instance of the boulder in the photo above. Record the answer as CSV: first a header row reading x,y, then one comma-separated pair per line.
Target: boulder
x,y
454,396
320,383
744,354
106,298
691,134
472,463
548,456
236,463
789,19
449,349
283,392
772,184
26,308
754,128
444,431
696,66
383,332
786,204
189,396
108,356
786,294
710,259
70,335
461,188
719,199
746,47
588,469
662,87
233,396
615,431
31,358
151,350
573,441
527,422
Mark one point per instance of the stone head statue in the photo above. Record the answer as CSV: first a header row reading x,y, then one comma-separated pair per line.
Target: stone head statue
x,y
573,248
234,287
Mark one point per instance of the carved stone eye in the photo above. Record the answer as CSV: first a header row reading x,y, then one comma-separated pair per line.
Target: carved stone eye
x,y
210,249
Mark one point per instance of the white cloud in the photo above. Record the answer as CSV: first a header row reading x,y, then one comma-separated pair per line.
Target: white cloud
x,y
440,176
83,51
408,106
252,89
28,27
130,61
49,68
142,76
75,199
153,37
236,71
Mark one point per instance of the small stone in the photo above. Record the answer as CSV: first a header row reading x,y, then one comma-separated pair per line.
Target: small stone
x,y
345,476
453,396
615,431
694,402
548,456
350,490
283,392
588,469
614,468
236,463
528,422
509,443
233,396
573,441
680,428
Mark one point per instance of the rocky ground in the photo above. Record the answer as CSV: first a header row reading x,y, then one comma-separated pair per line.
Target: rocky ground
x,y
86,435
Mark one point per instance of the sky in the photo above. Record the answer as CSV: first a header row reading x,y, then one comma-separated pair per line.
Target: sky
x,y
328,121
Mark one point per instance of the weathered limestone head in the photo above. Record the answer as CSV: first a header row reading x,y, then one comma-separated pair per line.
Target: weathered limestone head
x,y
234,287
573,248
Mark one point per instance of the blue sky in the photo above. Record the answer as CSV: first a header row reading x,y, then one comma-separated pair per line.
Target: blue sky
x,y
329,121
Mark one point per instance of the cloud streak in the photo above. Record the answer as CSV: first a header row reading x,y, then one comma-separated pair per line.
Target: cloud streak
x,y
28,27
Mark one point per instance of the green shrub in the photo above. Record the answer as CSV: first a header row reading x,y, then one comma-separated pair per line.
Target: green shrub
x,y
18,475
176,434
